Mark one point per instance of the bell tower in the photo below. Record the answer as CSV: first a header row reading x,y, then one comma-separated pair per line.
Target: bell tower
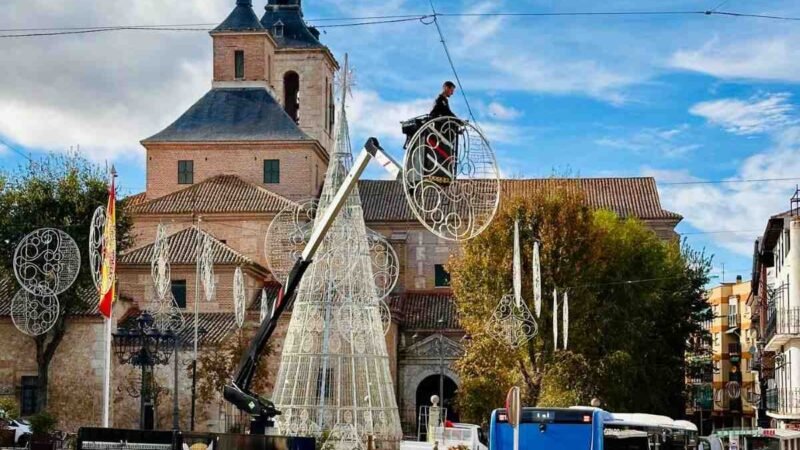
x,y
243,49
303,69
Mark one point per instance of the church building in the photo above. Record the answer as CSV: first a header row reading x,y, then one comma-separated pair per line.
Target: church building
x,y
257,142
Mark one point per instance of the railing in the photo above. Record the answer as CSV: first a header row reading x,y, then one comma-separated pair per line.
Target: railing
x,y
784,401
735,352
782,321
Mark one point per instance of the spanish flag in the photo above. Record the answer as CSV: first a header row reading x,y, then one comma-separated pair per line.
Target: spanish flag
x,y
107,270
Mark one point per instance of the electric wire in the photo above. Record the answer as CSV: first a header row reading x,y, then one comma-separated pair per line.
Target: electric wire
x,y
450,60
379,20
15,150
745,180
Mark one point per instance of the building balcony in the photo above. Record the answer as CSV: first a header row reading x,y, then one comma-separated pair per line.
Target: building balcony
x,y
783,324
783,403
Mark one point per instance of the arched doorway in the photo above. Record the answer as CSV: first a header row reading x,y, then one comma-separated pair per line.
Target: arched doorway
x,y
431,386
291,95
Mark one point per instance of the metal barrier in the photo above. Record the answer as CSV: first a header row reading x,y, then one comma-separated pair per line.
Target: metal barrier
x,y
119,439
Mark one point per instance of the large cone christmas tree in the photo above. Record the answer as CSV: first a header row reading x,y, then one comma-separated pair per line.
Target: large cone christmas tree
x,y
334,369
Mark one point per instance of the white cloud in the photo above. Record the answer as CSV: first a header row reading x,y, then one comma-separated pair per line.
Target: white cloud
x,y
370,115
753,116
771,58
737,206
102,91
670,142
501,112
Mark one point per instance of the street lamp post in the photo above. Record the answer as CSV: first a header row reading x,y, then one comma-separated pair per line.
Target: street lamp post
x,y
146,347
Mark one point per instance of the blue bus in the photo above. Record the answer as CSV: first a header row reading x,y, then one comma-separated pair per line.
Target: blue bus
x,y
584,428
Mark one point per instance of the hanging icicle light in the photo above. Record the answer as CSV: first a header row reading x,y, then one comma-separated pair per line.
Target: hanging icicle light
x,y
264,313
512,321
537,281
239,296
555,319
566,319
517,266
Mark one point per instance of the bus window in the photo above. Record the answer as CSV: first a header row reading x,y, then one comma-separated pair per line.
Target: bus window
x,y
614,439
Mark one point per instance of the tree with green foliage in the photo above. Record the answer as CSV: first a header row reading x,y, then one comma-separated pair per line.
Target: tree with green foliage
x,y
58,191
634,301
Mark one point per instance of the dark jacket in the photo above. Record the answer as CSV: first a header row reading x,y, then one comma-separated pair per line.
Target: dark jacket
x,y
441,108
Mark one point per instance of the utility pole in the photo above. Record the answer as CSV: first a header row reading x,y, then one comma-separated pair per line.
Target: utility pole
x,y
198,251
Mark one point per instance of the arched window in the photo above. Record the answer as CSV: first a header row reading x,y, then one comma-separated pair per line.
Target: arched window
x,y
291,95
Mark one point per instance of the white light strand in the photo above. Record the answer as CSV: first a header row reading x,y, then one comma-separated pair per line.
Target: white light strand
x,y
159,264
566,320
555,319
207,268
537,281
264,311
239,296
517,266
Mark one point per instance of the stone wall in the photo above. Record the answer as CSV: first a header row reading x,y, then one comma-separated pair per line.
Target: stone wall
x,y
76,372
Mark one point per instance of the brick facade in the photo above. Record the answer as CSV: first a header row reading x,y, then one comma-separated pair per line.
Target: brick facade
x,y
302,165
258,51
316,69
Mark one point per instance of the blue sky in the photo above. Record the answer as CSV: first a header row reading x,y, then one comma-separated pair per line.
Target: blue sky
x,y
678,97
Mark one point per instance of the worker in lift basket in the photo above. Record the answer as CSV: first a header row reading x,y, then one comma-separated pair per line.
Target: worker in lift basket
x,y
443,139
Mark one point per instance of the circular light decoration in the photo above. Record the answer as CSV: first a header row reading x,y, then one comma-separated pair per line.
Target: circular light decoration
x,y
46,262
385,264
207,268
239,296
287,236
167,315
32,314
511,323
451,179
96,241
733,389
159,264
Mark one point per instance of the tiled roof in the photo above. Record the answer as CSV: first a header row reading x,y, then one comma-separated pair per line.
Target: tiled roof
x,y
220,194
183,248
242,18
9,288
296,34
628,197
134,200
233,114
426,310
215,327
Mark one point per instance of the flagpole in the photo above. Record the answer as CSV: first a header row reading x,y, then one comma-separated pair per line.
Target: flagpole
x,y
107,374
109,319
